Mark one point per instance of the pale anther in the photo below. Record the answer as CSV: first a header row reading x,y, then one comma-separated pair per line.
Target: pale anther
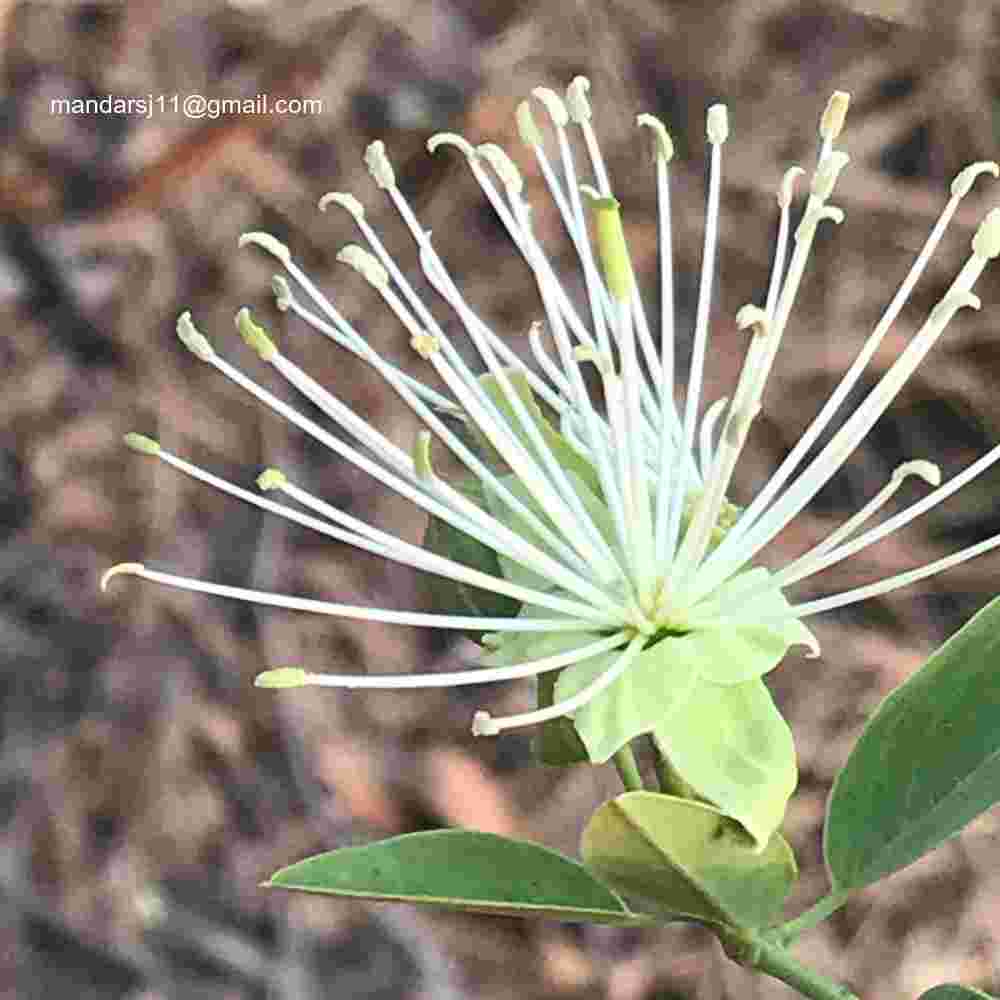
x,y
266,242
929,472
787,189
194,341
554,104
379,166
526,127
345,200
425,344
451,139
717,124
964,180
832,122
664,144
503,165
254,335
122,569
986,242
282,293
365,263
577,103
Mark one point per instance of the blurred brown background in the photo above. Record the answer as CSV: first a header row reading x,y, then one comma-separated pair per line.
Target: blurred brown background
x,y
147,787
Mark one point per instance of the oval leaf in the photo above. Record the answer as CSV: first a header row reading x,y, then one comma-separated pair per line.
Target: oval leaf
x,y
927,763
685,860
955,991
462,870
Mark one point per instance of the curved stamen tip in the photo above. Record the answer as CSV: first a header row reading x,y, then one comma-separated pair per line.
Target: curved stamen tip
x,y
526,126
753,316
272,479
142,444
950,305
986,242
483,724
282,677
554,104
832,121
965,178
450,139
717,124
282,293
254,335
344,200
122,569
365,263
577,103
194,341
379,166
664,144
266,242
927,471
503,165
787,190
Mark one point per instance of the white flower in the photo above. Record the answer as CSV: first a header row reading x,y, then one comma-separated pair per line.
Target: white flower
x,y
611,536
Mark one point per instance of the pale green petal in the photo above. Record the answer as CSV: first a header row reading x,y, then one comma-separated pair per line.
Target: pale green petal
x,y
732,745
742,649
647,695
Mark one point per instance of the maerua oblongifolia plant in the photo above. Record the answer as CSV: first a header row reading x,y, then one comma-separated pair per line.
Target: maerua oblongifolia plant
x,y
592,546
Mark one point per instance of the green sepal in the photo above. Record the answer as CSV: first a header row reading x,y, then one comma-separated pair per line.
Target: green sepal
x,y
462,870
731,744
565,454
685,860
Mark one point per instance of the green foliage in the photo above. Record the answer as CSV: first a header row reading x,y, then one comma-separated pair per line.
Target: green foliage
x,y
685,860
955,991
927,763
463,870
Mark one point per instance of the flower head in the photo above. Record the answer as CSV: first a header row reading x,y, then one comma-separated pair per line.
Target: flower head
x,y
595,528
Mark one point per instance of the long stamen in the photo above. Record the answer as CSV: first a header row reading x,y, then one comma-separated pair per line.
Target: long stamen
x,y
453,678
484,724
461,513
420,618
718,132
959,189
985,247
815,559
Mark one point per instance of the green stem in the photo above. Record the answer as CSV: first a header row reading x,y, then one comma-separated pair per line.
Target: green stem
x,y
755,952
628,769
816,914
671,783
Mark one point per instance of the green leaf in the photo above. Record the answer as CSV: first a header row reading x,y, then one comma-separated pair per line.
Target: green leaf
x,y
462,870
733,746
654,686
927,763
556,743
452,596
565,454
686,861
955,991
